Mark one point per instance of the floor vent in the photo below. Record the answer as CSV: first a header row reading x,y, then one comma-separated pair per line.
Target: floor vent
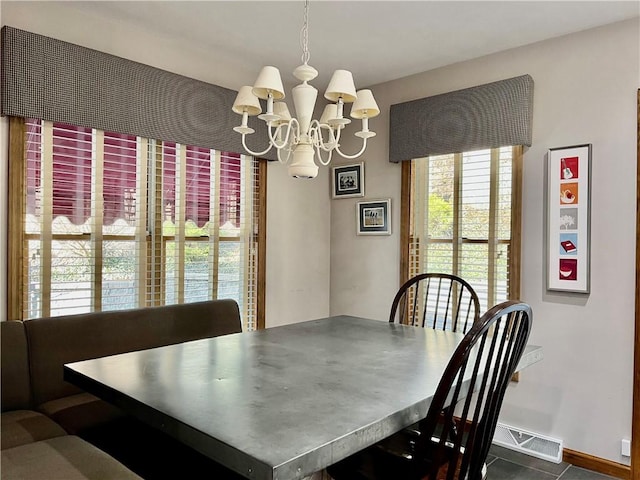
x,y
530,443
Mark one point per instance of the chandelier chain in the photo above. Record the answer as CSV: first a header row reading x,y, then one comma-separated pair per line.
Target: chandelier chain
x,y
304,34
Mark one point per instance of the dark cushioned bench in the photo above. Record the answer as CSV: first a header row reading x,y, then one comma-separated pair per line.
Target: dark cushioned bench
x,y
33,445
46,421
20,424
72,338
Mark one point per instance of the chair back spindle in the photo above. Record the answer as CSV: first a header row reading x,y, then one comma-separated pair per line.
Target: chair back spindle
x,y
436,300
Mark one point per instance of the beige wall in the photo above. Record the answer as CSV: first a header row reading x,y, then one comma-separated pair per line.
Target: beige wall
x,y
298,217
585,92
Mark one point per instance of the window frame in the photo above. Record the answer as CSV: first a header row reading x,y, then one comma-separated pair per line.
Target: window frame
x,y
17,237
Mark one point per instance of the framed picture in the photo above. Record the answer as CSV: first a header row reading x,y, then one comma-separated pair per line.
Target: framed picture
x,y
348,181
569,218
374,218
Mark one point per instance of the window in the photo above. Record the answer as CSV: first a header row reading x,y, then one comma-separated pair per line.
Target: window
x,y
112,221
461,215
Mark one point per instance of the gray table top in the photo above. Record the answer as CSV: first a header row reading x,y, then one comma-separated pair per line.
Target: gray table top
x,y
283,402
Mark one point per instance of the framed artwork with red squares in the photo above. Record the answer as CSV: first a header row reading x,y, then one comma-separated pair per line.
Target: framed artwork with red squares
x,y
568,218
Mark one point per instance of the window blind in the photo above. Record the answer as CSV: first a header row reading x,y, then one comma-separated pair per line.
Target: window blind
x,y
116,221
461,217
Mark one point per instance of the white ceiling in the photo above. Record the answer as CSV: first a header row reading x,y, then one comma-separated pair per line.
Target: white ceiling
x,y
377,40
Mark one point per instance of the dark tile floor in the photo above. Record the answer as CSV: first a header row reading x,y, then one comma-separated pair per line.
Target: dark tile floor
x,y
505,464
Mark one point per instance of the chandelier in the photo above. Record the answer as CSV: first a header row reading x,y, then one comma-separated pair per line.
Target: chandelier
x,y
299,140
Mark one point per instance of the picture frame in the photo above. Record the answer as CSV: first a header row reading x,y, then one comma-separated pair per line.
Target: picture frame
x,y
374,217
348,181
568,219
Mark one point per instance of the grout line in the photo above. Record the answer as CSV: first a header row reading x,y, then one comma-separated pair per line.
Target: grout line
x,y
553,475
494,459
564,471
557,477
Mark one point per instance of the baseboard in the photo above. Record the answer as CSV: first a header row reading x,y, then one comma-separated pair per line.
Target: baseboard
x,y
596,464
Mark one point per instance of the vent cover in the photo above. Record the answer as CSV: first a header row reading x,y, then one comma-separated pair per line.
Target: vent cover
x,y
530,443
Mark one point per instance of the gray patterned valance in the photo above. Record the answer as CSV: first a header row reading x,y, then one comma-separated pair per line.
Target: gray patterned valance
x,y
53,80
487,116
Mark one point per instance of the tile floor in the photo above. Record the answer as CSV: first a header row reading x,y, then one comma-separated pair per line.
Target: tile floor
x,y
505,464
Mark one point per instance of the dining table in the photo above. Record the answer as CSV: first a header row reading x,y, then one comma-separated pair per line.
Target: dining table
x,y
282,402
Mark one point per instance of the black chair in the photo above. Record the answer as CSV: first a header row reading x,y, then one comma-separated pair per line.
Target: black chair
x,y
440,301
451,446
436,300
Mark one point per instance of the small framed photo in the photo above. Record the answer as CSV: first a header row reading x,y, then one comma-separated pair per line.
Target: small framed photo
x,y
348,181
374,218
568,218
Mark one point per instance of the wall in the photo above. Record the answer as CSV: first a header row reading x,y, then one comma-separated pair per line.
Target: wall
x,y
585,92
298,216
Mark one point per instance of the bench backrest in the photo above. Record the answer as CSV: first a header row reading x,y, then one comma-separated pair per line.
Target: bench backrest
x,y
58,340
14,361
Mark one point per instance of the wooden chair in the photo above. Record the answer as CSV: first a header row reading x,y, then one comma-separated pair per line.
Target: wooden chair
x,y
448,446
436,300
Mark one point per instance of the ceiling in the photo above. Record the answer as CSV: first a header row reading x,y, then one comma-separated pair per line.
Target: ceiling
x,y
377,40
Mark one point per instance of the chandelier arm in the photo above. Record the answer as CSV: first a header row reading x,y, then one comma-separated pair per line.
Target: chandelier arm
x,y
273,134
326,162
286,160
255,154
337,134
351,157
316,133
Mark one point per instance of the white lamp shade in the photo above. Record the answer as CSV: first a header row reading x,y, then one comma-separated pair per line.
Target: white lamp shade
x,y
341,85
365,105
269,81
246,101
329,113
281,109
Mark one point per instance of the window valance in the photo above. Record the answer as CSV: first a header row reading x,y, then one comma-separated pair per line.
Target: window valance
x,y
53,80
487,116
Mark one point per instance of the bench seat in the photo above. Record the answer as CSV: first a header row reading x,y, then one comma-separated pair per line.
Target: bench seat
x,y
62,458
20,427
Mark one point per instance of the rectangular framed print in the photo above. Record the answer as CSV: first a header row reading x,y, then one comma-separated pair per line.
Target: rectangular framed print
x,y
374,218
348,181
569,218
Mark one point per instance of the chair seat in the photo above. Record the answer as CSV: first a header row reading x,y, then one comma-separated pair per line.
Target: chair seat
x,y
390,460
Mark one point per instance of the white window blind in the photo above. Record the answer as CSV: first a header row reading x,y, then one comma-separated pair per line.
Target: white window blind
x,y
461,217
116,221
